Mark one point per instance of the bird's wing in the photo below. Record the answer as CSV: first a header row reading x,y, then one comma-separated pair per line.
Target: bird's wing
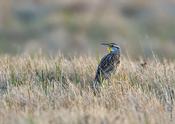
x,y
105,67
106,63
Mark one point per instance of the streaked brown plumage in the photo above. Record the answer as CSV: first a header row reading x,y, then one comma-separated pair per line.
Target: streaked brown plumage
x,y
108,64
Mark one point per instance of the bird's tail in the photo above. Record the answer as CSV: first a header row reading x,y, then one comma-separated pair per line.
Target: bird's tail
x,y
95,87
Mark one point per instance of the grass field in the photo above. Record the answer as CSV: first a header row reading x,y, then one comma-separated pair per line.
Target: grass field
x,y
38,89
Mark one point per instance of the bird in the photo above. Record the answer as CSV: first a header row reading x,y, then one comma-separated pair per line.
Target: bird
x,y
107,65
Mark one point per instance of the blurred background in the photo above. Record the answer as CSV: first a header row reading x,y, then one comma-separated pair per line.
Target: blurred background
x,y
140,27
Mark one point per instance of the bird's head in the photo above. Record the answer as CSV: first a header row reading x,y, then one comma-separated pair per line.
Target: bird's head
x,y
112,47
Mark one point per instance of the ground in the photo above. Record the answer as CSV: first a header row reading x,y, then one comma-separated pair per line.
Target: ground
x,y
40,89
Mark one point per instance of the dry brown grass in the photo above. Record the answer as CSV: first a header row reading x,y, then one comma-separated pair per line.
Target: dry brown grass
x,y
46,90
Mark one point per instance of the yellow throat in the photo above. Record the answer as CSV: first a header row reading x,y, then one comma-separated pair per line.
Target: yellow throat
x,y
109,49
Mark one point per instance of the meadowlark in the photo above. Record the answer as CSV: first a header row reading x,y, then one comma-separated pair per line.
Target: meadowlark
x,y
108,64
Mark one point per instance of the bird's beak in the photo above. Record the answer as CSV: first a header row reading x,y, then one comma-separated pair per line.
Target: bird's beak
x,y
109,48
105,44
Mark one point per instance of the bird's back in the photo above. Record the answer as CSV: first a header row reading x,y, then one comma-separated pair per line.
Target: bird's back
x,y
107,65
